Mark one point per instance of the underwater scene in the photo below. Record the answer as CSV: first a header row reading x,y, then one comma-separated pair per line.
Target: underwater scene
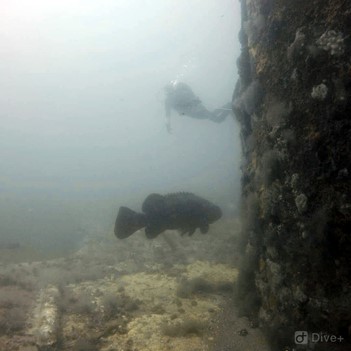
x,y
167,294
120,181
175,175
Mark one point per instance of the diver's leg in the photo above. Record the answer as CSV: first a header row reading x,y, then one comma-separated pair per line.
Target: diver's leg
x,y
220,114
199,111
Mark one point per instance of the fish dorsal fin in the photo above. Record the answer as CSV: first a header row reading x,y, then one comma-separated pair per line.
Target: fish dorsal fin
x,y
179,193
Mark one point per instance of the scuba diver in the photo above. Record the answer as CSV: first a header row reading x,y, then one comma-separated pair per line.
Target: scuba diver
x,y
180,97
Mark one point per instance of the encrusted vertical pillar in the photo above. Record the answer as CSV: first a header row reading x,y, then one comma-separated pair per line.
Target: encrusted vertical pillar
x,y
293,101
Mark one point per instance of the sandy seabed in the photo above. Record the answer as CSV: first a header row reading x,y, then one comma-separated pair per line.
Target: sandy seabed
x,y
171,293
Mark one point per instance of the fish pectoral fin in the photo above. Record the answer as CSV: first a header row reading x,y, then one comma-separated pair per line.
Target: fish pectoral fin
x,y
191,231
152,232
204,228
182,231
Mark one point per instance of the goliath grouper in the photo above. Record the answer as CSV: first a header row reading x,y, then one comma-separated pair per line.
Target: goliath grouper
x,y
182,211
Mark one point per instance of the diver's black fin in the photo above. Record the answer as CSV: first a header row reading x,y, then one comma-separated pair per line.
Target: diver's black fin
x,y
128,222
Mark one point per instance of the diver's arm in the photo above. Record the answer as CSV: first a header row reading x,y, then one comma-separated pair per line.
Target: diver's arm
x,y
168,117
168,124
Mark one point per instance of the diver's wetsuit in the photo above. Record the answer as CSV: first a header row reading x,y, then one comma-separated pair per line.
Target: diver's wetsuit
x,y
181,98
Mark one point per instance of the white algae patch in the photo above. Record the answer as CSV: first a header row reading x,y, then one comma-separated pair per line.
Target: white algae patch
x,y
45,322
319,92
332,42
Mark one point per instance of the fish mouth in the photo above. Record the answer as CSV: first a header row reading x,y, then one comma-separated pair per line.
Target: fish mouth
x,y
216,214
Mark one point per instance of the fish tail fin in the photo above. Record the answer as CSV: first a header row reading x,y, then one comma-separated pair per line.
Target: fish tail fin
x,y
128,222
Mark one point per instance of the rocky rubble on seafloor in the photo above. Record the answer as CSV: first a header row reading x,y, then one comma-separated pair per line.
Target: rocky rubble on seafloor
x,y
166,294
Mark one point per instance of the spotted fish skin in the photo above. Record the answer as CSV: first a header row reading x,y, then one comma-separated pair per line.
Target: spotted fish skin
x,y
183,211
